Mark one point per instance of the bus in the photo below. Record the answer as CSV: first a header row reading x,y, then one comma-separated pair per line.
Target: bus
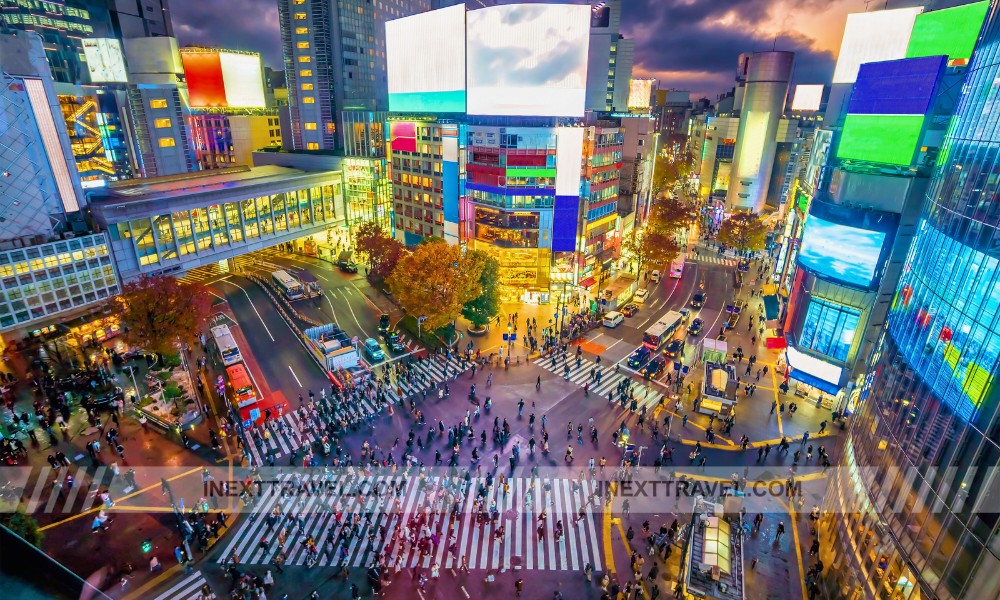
x,y
228,349
662,331
288,285
677,267
242,386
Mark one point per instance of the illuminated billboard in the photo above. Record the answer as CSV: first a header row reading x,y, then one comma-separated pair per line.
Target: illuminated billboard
x,y
528,60
403,136
871,37
425,56
951,32
846,245
883,139
897,87
105,60
223,79
639,93
807,97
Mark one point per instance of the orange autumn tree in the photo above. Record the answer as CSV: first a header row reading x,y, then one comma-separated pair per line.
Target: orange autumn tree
x,y
435,281
159,311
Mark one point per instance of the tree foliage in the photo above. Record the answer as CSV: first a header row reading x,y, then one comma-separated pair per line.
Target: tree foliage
x,y
486,305
650,249
379,249
669,215
23,525
668,170
743,231
435,281
159,311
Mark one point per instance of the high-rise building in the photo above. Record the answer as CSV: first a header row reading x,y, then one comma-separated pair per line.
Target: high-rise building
x,y
917,515
334,52
609,64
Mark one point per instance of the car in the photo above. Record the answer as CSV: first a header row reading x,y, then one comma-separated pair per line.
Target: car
x,y
613,319
638,357
104,400
383,323
698,300
654,277
393,342
696,326
674,348
373,350
653,367
347,266
630,309
743,266
640,295
685,314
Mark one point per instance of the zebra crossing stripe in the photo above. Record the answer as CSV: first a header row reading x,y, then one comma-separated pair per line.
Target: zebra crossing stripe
x,y
188,588
646,396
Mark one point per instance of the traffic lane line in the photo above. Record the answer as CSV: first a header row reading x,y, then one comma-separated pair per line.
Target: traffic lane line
x,y
347,299
793,515
295,376
609,555
252,305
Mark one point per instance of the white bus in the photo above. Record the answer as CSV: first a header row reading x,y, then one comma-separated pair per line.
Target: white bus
x,y
677,266
662,331
228,349
288,285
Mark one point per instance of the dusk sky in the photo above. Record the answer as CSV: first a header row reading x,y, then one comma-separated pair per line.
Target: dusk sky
x,y
686,44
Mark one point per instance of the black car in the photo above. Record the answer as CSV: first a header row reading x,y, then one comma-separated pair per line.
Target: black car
x,y
638,357
698,300
630,309
393,342
347,266
383,323
696,326
674,348
743,266
654,368
103,400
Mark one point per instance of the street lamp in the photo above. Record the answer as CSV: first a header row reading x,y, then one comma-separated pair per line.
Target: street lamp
x,y
420,322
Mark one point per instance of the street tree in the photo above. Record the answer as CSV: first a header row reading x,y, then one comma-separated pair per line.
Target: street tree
x,y
743,231
667,171
486,305
379,250
669,215
23,525
650,249
435,281
159,311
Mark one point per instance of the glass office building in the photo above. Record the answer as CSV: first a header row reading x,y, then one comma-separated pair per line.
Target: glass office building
x,y
918,513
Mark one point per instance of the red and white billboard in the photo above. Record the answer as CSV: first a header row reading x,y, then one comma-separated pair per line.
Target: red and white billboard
x,y
223,79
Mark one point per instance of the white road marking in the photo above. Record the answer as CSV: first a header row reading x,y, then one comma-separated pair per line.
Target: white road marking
x,y
295,376
350,308
254,307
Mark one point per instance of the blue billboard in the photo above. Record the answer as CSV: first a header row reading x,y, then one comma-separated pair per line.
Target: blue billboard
x,y
897,87
846,245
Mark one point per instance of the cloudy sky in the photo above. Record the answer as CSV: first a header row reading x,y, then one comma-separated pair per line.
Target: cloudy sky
x,y
686,44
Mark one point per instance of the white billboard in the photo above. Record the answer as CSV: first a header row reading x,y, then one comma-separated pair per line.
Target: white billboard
x,y
105,60
569,160
873,37
243,79
425,56
639,93
528,60
807,97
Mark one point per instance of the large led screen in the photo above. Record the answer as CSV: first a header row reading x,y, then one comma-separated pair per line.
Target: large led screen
x,y
244,80
871,37
105,60
849,255
807,97
882,139
528,60
425,57
203,73
951,32
639,93
897,87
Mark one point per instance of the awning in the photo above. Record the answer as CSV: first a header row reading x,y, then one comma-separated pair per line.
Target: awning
x,y
771,307
588,282
816,382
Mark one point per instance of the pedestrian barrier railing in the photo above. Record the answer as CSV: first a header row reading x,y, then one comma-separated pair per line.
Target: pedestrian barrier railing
x,y
281,302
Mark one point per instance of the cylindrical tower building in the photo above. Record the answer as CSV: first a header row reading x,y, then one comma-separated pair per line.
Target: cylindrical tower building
x,y
763,104
915,512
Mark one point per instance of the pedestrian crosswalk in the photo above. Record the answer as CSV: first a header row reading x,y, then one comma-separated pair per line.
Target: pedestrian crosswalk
x,y
283,435
529,514
647,394
714,258
189,587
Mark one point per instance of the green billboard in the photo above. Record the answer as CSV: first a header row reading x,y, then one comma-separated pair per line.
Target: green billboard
x,y
884,139
951,31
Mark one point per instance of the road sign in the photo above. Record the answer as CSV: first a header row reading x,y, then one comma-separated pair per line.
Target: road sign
x,y
677,366
685,369
513,337
506,336
630,448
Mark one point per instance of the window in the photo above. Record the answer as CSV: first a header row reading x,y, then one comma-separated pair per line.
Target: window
x,y
300,1
310,126
312,146
829,328
161,123
158,103
167,142
305,59
308,100
300,16
305,73
303,45
307,87
301,30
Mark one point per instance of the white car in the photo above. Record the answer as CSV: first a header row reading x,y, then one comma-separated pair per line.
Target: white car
x,y
654,277
640,295
613,319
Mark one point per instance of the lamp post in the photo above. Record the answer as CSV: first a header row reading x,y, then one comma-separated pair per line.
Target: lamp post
x,y
420,322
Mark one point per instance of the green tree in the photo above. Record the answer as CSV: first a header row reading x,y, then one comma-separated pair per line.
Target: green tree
x,y
23,525
650,249
159,311
379,250
484,307
435,281
669,215
743,231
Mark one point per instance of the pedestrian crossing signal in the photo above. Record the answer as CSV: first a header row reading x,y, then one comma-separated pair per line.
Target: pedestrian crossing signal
x,y
147,545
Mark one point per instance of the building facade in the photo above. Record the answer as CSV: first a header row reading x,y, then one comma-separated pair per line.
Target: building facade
x,y
222,140
609,62
917,516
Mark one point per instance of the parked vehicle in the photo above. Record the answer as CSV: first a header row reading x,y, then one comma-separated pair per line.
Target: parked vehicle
x,y
613,319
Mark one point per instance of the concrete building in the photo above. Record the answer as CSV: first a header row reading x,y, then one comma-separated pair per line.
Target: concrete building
x,y
334,55
762,107
222,139
51,266
641,142
609,66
